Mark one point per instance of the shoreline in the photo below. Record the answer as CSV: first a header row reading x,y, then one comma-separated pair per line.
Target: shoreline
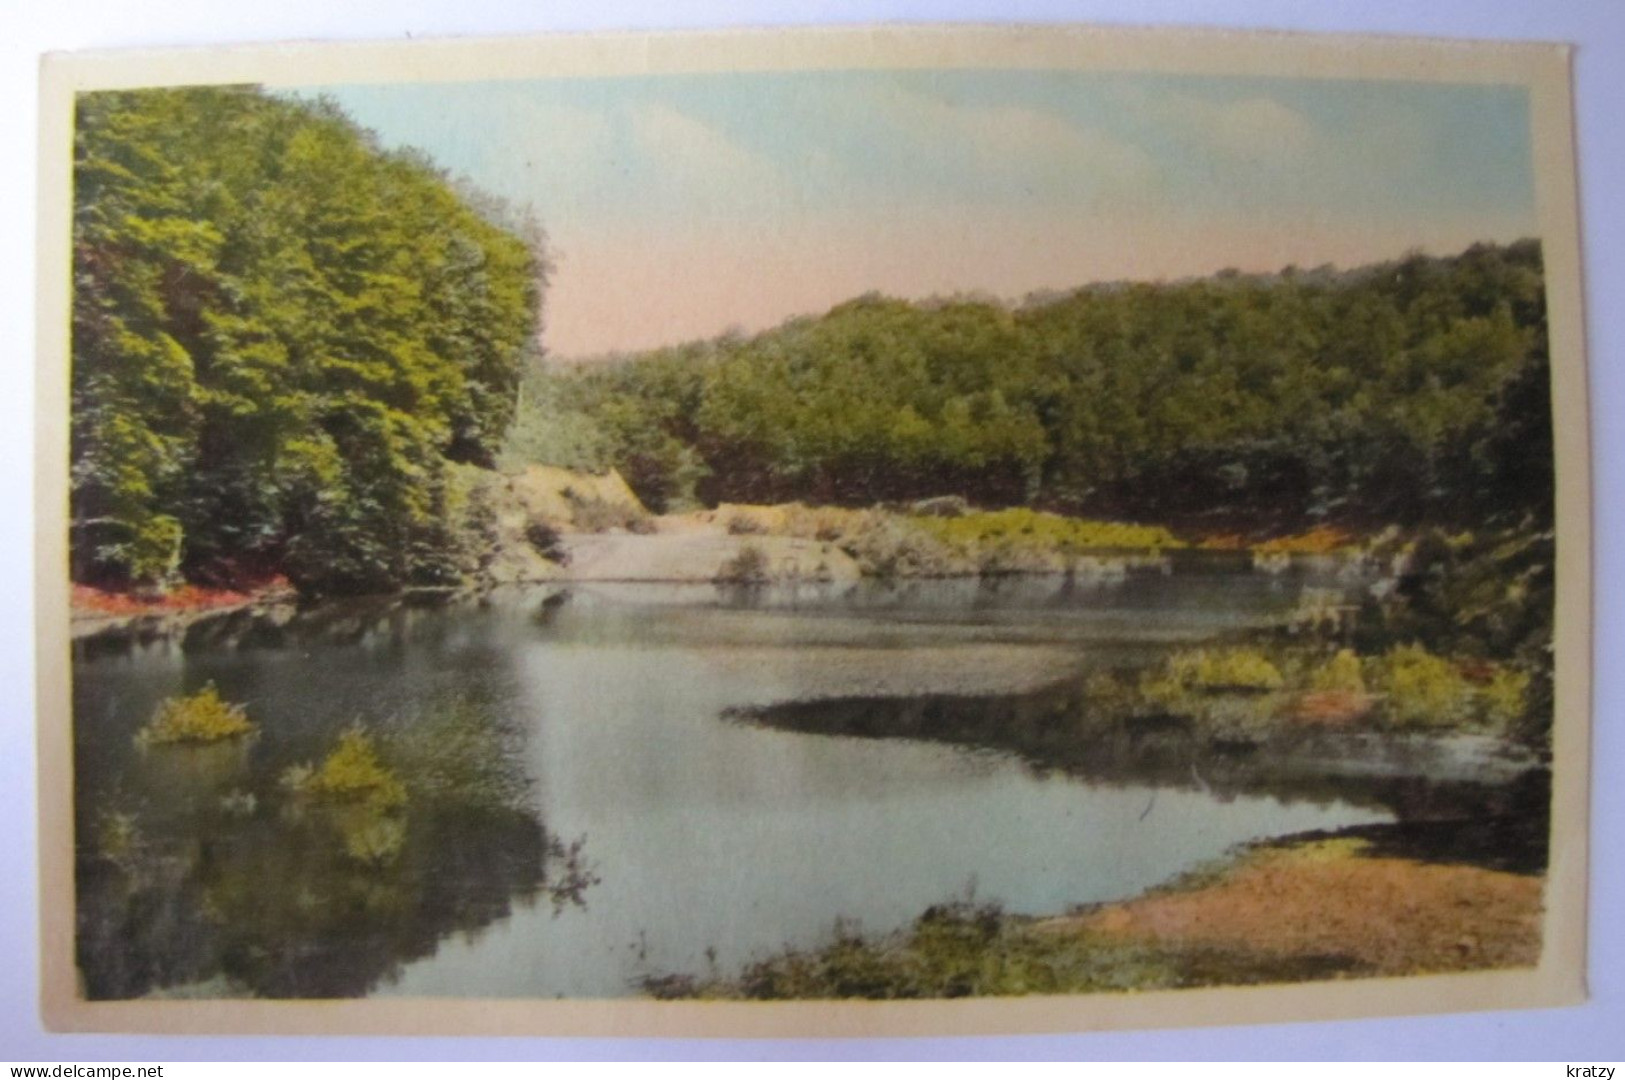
x,y
740,544
173,620
630,558
1295,908
1462,802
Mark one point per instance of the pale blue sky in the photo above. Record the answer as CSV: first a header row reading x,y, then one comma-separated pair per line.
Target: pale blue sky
x,y
797,188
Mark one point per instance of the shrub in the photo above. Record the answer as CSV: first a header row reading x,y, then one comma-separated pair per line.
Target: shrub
x,y
547,542
198,718
1044,531
1164,691
750,566
1340,673
887,546
1506,698
353,772
594,515
154,551
826,524
745,525
1224,669
1421,688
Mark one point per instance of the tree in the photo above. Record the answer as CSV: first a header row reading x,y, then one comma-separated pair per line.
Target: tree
x,y
281,335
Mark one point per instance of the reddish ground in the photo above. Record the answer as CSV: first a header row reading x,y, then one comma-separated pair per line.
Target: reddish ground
x,y
89,600
1330,708
1391,916
1321,540
1317,541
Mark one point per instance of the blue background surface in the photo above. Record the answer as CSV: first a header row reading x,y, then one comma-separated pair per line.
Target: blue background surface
x,y
1592,1031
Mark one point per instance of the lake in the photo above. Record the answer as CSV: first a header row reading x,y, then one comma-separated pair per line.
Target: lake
x,y
666,830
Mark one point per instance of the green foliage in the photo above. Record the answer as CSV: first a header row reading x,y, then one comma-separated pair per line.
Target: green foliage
x,y
1420,688
593,515
281,335
888,546
1506,698
547,541
547,430
202,717
1023,527
592,423
1276,400
354,773
963,949
1342,674
1228,691
453,754
1214,670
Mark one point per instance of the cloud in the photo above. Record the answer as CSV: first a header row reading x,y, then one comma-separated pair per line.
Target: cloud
x,y
1022,141
1252,129
1006,149
856,147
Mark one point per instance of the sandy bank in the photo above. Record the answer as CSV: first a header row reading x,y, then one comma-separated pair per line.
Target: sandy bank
x,y
699,556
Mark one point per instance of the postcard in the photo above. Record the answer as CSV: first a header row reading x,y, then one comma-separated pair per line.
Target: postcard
x,y
882,530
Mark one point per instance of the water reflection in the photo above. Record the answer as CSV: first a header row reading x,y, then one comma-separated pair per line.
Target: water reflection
x,y
1421,781
203,872
210,870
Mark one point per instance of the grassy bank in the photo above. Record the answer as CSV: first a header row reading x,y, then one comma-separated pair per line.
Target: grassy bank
x,y
1235,709
945,537
1455,884
1309,908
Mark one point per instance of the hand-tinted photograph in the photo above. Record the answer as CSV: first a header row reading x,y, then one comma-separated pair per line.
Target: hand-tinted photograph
x,y
834,532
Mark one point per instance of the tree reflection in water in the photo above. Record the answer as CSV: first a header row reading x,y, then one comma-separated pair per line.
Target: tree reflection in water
x,y
211,873
1492,811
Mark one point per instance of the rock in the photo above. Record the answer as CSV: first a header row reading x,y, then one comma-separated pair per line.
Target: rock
x,y
946,506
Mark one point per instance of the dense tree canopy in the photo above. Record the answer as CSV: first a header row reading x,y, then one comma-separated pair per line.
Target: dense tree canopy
x,y
281,334
1369,395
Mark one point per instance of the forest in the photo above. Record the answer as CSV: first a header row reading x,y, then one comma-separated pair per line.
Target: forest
x,y
282,335
1405,406
1407,392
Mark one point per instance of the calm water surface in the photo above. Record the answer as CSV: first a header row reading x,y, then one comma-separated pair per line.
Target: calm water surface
x,y
702,841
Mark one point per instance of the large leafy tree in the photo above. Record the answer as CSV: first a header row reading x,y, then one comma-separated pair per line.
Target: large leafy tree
x,y
281,334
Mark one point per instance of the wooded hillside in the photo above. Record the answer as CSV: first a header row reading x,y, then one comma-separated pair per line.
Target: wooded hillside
x,y
1377,395
281,335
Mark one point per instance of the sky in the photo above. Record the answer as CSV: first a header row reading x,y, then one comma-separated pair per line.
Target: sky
x,y
683,206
